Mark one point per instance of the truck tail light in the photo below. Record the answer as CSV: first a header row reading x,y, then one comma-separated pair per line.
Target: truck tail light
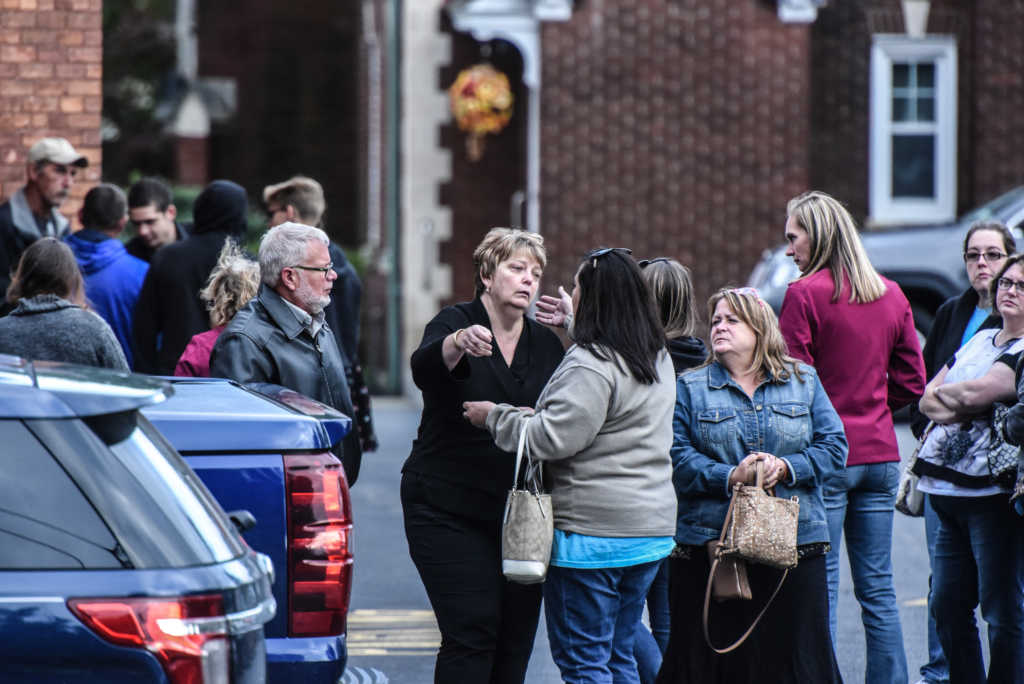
x,y
189,635
319,545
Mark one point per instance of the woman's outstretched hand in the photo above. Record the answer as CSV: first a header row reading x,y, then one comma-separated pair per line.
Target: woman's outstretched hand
x,y
474,340
555,311
476,412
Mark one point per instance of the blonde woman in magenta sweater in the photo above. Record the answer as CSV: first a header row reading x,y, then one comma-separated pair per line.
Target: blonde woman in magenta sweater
x,y
857,330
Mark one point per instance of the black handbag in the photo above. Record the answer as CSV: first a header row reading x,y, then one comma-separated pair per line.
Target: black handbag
x,y
1002,456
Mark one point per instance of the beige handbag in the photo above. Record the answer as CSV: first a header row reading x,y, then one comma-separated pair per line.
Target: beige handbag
x,y
758,528
527,529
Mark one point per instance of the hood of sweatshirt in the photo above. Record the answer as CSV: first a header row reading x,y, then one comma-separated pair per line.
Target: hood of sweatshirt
x,y
687,352
221,206
94,251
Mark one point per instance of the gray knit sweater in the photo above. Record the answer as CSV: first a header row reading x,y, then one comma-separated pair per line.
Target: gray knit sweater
x,y
48,328
604,439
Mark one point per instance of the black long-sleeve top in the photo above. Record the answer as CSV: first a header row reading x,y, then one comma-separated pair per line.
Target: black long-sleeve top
x,y
464,472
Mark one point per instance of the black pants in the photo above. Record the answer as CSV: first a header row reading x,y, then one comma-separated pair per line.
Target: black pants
x,y
487,623
790,645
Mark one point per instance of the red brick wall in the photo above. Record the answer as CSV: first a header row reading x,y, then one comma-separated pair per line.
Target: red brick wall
x,y
51,73
674,128
997,73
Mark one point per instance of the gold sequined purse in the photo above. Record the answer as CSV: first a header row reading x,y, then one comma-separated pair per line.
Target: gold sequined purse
x,y
759,528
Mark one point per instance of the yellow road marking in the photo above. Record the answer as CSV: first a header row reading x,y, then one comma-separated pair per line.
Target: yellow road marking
x,y
392,633
916,603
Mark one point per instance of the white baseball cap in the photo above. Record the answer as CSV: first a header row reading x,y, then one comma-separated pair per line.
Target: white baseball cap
x,y
58,151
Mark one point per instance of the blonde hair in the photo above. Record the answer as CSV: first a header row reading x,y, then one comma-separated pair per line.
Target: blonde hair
x,y
835,244
670,283
770,353
233,282
500,244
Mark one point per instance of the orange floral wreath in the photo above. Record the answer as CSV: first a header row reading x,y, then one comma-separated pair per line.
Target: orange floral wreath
x,y
481,101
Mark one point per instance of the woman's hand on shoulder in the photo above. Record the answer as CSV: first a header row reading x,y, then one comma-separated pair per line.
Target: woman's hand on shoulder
x,y
476,412
555,311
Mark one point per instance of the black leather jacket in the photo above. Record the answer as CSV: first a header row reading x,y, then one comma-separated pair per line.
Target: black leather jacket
x,y
265,342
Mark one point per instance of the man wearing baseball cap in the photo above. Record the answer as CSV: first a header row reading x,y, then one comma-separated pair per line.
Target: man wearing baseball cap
x,y
32,211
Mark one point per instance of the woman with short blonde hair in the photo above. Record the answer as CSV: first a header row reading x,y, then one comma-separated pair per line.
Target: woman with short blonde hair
x,y
456,478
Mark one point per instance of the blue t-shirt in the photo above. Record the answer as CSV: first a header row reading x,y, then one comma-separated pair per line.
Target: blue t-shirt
x,y
977,318
571,550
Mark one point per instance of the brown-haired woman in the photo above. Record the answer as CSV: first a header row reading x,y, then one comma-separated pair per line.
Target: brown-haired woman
x,y
455,480
986,246
50,321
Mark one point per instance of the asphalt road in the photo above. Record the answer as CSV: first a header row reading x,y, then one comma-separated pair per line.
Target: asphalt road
x,y
392,634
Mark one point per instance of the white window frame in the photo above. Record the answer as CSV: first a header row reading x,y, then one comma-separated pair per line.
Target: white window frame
x,y
886,49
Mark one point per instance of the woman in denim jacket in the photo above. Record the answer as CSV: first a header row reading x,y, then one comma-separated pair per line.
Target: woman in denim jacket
x,y
751,403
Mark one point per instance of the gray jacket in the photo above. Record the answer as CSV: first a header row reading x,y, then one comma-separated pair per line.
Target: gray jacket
x,y
265,342
48,328
604,439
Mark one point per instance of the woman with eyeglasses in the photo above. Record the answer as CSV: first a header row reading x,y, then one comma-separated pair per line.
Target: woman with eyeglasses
x,y
857,329
750,404
986,246
603,428
672,288
455,480
979,544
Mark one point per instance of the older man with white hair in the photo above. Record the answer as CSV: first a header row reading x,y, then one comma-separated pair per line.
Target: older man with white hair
x,y
280,336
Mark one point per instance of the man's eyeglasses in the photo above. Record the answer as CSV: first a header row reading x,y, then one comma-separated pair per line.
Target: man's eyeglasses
x,y
989,255
644,263
598,253
1010,284
321,269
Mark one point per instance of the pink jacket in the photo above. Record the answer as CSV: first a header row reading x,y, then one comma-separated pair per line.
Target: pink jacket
x,y
195,360
867,356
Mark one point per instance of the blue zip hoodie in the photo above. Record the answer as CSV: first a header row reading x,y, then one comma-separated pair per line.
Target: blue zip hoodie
x,y
113,279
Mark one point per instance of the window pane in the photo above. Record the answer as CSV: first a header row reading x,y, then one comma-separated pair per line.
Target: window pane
x,y
900,75
925,109
926,75
913,166
900,109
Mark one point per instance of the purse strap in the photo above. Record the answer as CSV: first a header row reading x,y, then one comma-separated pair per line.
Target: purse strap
x,y
714,567
532,470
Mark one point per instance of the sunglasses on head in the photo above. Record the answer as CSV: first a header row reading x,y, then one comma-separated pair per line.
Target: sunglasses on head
x,y
644,263
598,253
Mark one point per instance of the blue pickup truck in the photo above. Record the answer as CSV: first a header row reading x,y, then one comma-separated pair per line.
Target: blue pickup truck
x,y
269,456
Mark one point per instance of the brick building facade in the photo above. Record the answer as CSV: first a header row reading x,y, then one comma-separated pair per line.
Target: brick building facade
x,y
51,71
682,127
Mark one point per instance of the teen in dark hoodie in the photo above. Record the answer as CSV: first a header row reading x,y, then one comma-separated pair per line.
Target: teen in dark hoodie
x,y
169,311
669,282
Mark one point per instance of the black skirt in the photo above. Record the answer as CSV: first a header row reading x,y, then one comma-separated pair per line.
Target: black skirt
x,y
791,643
